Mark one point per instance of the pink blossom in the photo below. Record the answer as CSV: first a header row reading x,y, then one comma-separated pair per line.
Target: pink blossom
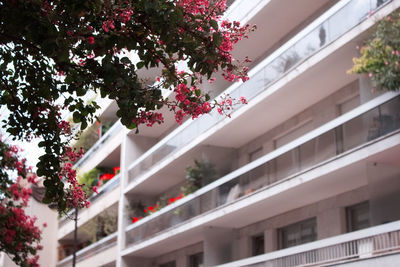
x,y
94,188
90,40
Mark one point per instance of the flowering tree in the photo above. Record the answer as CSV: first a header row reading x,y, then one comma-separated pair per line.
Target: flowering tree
x,y
52,53
380,56
19,236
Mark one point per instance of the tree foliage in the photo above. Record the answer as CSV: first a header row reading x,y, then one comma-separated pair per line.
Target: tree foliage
x,y
19,236
53,53
380,56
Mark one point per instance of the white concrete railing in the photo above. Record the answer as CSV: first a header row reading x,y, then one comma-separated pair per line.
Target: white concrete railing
x,y
200,201
91,250
367,243
334,22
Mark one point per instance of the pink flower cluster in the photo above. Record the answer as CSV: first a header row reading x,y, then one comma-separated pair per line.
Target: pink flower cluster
x,y
121,15
20,193
74,193
19,236
189,103
65,127
227,103
149,118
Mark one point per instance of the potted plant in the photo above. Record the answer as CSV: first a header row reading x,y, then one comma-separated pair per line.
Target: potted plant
x,y
197,176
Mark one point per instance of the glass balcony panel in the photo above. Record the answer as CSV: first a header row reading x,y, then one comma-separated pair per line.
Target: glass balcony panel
x,y
325,146
356,132
308,154
329,30
269,74
208,200
350,14
286,164
254,179
389,116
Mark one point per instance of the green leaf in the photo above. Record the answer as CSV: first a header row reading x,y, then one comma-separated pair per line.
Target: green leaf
x,y
132,126
83,125
126,60
140,65
46,200
48,183
217,39
76,116
214,24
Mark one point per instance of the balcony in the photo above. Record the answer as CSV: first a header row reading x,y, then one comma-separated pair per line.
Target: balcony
x,y
101,252
323,31
66,225
375,120
110,135
380,241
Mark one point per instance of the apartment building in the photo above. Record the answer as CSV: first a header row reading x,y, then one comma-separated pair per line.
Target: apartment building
x,y
306,174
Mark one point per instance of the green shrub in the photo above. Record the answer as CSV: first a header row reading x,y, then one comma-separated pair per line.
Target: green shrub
x,y
380,55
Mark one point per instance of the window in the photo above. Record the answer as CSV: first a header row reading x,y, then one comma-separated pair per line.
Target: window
x,y
257,245
358,216
168,264
298,233
196,260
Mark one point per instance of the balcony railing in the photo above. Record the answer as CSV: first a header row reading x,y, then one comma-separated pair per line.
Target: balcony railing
x,y
357,128
360,245
101,192
110,133
327,28
91,250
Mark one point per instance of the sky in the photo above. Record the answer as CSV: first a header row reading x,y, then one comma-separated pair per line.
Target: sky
x,y
31,150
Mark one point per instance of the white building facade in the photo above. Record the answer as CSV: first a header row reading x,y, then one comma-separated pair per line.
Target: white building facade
x,y
306,174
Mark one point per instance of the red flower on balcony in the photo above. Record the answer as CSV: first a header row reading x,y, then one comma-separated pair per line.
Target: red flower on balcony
x,y
171,200
135,219
116,170
106,176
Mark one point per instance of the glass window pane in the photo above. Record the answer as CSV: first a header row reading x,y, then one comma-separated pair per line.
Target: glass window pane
x,y
358,217
196,260
298,233
257,245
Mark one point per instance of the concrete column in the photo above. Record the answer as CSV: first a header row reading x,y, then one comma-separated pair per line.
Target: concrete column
x,y
331,222
122,222
181,260
217,245
271,240
131,149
